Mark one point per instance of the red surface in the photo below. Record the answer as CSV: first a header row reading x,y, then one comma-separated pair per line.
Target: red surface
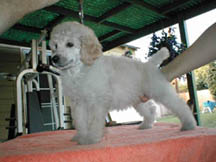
x,y
163,143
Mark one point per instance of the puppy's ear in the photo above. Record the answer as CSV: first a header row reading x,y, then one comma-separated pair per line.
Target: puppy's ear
x,y
91,49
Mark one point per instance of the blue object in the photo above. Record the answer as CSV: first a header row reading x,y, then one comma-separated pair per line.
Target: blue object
x,y
209,104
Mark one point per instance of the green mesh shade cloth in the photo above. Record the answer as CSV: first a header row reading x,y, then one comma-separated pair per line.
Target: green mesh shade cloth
x,y
115,22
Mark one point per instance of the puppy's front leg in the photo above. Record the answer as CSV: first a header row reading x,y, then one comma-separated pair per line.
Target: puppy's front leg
x,y
89,122
96,123
79,114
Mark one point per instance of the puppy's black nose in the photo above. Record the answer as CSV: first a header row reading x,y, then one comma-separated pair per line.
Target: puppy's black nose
x,y
55,59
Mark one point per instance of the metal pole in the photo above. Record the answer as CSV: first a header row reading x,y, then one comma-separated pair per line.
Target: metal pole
x,y
34,54
28,57
190,75
19,99
53,101
43,53
60,101
81,13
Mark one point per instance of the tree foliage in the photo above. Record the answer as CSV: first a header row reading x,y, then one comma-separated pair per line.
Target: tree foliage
x,y
212,78
201,75
206,78
168,40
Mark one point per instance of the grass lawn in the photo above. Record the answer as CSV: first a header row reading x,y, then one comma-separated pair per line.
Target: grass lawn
x,y
207,120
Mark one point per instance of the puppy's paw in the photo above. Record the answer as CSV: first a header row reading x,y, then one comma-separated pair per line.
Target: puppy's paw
x,y
87,141
75,138
145,126
189,125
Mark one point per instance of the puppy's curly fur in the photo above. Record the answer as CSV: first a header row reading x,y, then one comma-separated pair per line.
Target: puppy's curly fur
x,y
97,84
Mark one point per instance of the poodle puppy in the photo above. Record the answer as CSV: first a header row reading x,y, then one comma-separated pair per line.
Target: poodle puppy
x,y
97,84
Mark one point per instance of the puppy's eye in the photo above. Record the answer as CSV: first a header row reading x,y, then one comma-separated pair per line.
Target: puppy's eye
x,y
69,44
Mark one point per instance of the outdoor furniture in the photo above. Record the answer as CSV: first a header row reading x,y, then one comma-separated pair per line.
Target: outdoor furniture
x,y
208,106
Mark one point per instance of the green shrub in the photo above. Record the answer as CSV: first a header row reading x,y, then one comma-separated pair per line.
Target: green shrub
x,y
212,79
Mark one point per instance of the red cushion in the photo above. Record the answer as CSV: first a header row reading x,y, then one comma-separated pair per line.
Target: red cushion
x,y
163,143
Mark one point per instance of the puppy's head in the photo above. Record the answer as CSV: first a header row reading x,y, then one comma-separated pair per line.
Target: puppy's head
x,y
71,43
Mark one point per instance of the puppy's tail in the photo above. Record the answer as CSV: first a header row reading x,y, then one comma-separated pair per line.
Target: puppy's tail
x,y
160,56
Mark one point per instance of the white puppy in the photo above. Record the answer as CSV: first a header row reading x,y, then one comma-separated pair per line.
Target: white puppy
x,y
97,84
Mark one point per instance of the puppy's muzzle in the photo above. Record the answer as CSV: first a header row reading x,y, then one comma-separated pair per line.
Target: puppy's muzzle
x,y
61,62
55,59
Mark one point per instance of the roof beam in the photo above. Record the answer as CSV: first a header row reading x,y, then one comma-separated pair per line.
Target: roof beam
x,y
54,22
173,6
125,39
108,35
200,9
67,12
27,28
186,14
15,43
113,12
147,6
119,27
62,11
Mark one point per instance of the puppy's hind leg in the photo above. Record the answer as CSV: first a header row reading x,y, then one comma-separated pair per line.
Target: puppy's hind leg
x,y
166,95
148,111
